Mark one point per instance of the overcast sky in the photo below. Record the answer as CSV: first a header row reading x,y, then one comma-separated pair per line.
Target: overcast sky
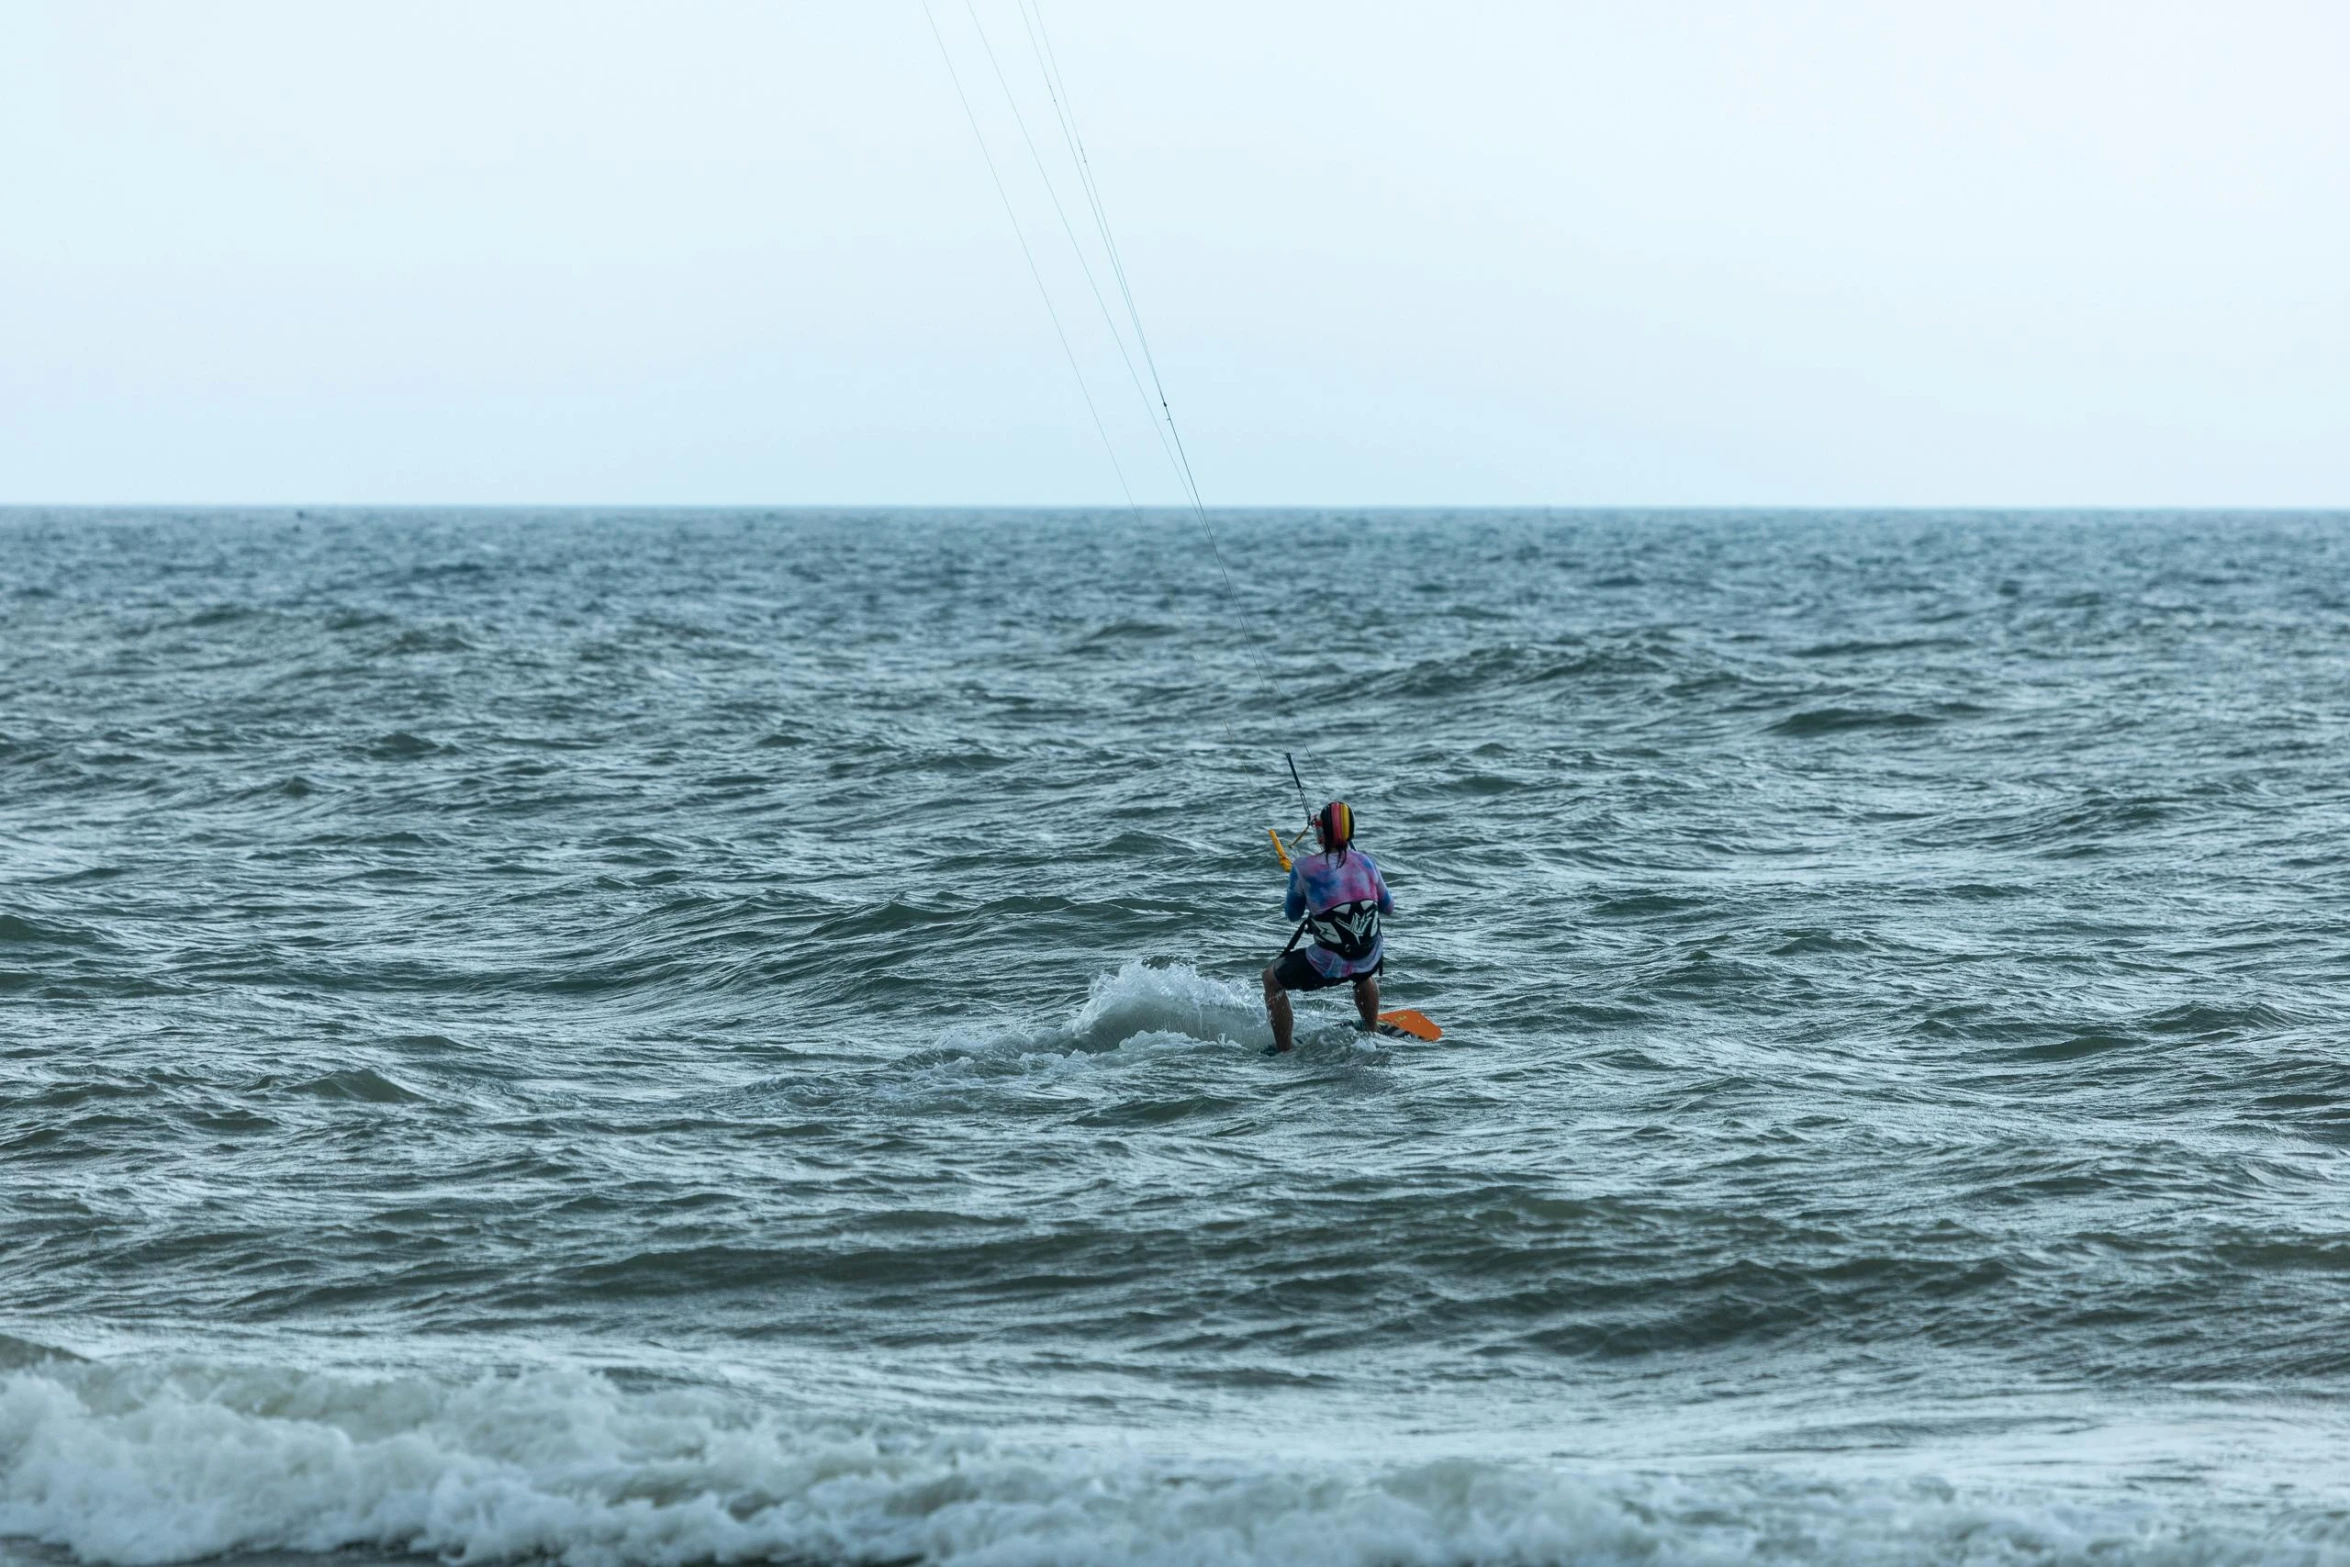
x,y
1561,254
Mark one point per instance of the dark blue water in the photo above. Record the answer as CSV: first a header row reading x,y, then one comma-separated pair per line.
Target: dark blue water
x,y
715,1037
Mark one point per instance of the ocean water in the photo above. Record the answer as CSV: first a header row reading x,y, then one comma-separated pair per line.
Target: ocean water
x,y
715,1037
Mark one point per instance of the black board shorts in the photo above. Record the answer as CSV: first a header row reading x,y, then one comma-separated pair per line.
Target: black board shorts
x,y
1293,972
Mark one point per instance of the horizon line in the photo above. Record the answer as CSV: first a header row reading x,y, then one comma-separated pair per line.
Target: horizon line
x,y
1182,509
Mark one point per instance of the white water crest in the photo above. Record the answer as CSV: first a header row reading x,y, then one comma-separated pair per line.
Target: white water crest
x,y
1144,998
149,1465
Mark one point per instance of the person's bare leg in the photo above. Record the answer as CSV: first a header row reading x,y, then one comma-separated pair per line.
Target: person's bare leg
x,y
1277,1012
1367,999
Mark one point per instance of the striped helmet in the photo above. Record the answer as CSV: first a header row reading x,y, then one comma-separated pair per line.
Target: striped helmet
x,y
1334,827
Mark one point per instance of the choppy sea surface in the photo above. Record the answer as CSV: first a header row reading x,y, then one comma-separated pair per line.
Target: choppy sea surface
x,y
712,1037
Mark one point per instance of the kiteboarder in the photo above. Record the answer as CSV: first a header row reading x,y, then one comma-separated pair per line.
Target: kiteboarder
x,y
1337,896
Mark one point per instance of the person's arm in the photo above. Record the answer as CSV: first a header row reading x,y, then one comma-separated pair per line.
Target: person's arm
x,y
1293,904
1386,898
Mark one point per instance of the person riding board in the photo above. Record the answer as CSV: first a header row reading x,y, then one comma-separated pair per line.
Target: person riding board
x,y
1340,896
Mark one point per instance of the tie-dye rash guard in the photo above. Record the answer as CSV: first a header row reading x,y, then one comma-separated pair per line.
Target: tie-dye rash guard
x,y
1318,882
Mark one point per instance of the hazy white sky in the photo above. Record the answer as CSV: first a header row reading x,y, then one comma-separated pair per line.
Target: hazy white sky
x,y
1567,254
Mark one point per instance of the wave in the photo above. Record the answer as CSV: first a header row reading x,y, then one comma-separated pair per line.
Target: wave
x,y
1135,1020
1513,667
1838,720
1145,999
146,1465
1138,1010
16,1353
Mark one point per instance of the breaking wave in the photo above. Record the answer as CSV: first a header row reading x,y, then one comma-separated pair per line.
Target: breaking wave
x,y
140,1466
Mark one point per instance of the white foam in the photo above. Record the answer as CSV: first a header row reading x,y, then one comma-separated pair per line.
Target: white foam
x,y
1142,1013
142,1466
1173,998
